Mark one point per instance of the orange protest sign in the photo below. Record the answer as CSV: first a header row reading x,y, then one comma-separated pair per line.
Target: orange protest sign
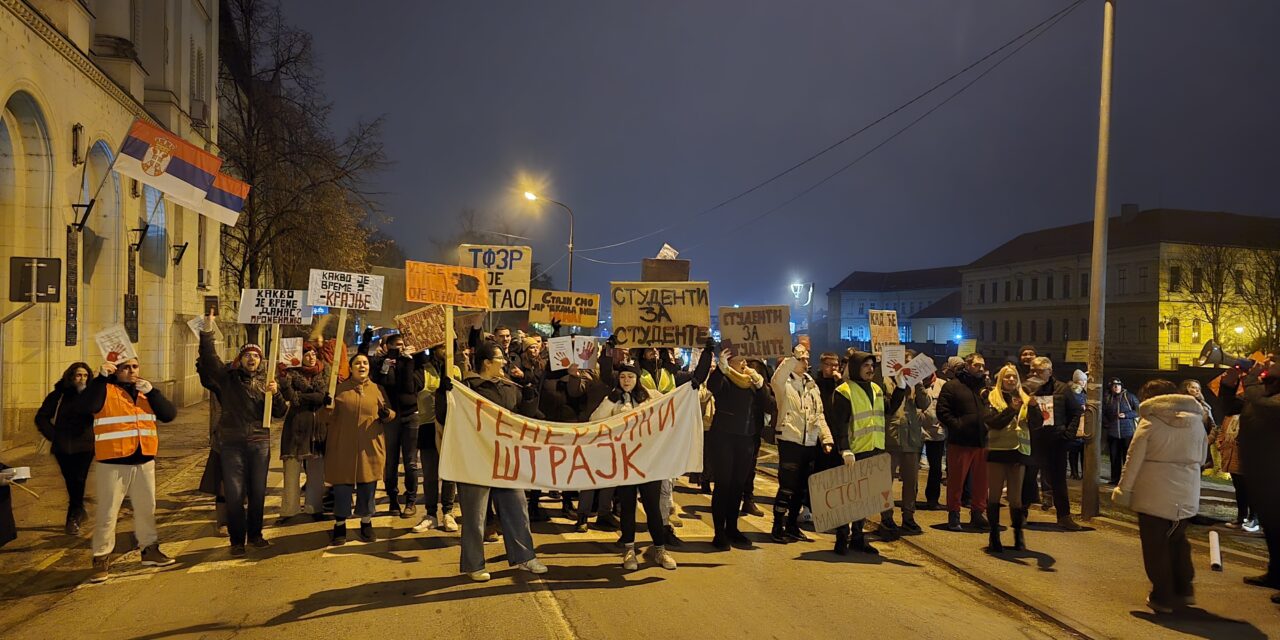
x,y
445,284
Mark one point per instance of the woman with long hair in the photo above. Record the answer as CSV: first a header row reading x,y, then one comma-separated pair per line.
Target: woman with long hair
x,y
1010,416
71,434
355,447
302,439
492,383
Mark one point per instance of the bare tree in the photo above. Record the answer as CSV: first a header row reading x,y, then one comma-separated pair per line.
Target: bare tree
x,y
1260,295
1207,280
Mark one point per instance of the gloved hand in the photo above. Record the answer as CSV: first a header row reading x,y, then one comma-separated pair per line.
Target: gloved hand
x,y
612,342
107,369
902,382
328,400
849,459
446,384
709,345
555,327
143,387
528,393
384,413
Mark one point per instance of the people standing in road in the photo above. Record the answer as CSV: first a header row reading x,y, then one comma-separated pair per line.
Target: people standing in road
x,y
904,439
396,370
71,434
1078,401
622,399
491,383
1192,388
960,410
1226,437
1049,443
1120,418
739,392
759,420
935,442
435,491
803,436
1161,482
243,435
1011,416
302,438
859,412
125,408
354,421
1258,408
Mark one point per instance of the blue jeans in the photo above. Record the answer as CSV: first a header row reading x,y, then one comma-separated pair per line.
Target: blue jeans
x,y
364,500
512,515
244,476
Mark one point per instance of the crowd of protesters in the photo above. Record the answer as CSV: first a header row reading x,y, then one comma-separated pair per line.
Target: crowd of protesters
x,y
1010,435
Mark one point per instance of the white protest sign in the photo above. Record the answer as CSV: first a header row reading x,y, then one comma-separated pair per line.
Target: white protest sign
x,y
1046,409
196,325
341,290
919,369
560,352
849,493
507,271
668,252
115,345
893,357
586,351
565,351
291,352
487,445
274,306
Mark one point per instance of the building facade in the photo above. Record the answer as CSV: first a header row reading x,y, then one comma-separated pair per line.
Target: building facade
x,y
74,74
1034,289
906,292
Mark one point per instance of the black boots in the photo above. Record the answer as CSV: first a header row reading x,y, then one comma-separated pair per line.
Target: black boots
x,y
858,540
977,520
339,535
953,521
1019,517
842,540
778,534
993,538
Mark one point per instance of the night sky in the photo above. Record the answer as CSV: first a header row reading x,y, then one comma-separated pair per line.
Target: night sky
x,y
640,115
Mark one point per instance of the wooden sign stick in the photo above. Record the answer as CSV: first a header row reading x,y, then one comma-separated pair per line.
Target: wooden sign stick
x,y
448,340
337,354
272,359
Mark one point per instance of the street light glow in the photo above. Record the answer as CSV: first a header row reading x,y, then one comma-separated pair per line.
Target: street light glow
x,y
529,195
1239,331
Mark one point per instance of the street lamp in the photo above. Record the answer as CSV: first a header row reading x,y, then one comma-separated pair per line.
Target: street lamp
x,y
797,290
533,197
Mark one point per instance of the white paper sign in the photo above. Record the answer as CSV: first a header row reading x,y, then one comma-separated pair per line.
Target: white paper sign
x,y
565,351
341,290
115,345
1046,409
919,369
560,352
291,352
668,252
893,358
196,325
274,306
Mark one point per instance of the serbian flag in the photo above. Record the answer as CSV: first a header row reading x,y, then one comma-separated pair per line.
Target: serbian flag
x,y
225,199
160,159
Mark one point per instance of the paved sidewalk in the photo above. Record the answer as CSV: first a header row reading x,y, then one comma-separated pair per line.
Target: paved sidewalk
x,y
42,544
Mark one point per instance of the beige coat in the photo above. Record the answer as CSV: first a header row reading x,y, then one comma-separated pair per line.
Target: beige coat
x,y
1161,476
355,444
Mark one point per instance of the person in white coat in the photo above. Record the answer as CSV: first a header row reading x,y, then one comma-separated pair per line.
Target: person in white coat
x,y
1161,482
803,437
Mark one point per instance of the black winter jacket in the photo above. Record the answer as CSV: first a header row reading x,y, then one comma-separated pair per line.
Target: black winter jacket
x,y
243,398
960,410
1259,438
69,431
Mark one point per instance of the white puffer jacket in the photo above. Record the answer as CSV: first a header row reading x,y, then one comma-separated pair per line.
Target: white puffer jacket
x,y
1161,476
800,416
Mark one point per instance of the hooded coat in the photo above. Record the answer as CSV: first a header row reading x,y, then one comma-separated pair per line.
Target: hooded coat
x,y
842,412
1161,476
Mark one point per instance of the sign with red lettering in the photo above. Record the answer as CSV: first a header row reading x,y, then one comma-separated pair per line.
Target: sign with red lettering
x,y
342,290
487,445
849,493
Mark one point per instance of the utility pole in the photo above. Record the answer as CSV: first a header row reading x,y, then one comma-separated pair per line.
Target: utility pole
x,y
1098,277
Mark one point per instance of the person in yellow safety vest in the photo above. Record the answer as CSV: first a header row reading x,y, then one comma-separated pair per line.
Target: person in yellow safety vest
x,y
1010,416
434,490
858,427
125,410
654,374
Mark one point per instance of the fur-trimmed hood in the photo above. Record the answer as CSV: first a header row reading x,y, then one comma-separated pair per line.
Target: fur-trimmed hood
x,y
1174,410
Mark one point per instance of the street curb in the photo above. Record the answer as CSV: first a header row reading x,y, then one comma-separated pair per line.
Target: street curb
x,y
1034,607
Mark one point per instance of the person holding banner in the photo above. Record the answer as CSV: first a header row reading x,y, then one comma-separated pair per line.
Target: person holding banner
x,y
355,447
243,435
125,409
739,392
397,371
302,439
491,383
859,410
1011,416
434,490
624,398
803,437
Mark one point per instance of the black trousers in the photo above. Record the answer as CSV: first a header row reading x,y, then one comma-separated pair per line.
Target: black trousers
x,y
934,451
651,496
854,531
1244,508
1166,554
1051,454
729,457
796,463
749,494
1264,499
1119,451
402,446
75,473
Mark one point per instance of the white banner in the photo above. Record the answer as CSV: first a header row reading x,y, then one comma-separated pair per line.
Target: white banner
x,y
341,290
487,445
846,494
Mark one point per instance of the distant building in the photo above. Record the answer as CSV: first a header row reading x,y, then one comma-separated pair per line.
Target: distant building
x,y
939,322
74,74
1034,289
907,292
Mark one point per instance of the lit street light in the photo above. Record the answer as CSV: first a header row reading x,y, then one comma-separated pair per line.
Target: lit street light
x,y
533,197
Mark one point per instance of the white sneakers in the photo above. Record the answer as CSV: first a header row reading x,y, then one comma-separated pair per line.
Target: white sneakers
x,y
534,566
629,559
448,523
479,576
1251,526
660,556
427,523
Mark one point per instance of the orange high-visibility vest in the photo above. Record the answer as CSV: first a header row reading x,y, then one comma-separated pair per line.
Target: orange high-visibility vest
x,y
122,425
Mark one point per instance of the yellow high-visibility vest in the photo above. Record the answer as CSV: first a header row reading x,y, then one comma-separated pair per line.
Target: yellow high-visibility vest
x,y
866,426
666,382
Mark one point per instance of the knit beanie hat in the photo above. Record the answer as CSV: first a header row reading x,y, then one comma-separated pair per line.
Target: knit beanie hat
x,y
247,348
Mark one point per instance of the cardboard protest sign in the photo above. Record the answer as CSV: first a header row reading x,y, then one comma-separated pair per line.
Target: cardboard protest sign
x,y
757,332
507,271
660,314
893,357
487,445
570,308
884,329
566,351
274,306
444,284
290,352
848,493
341,290
423,327
115,345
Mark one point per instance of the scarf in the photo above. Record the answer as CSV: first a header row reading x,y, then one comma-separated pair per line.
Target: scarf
x,y
746,380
